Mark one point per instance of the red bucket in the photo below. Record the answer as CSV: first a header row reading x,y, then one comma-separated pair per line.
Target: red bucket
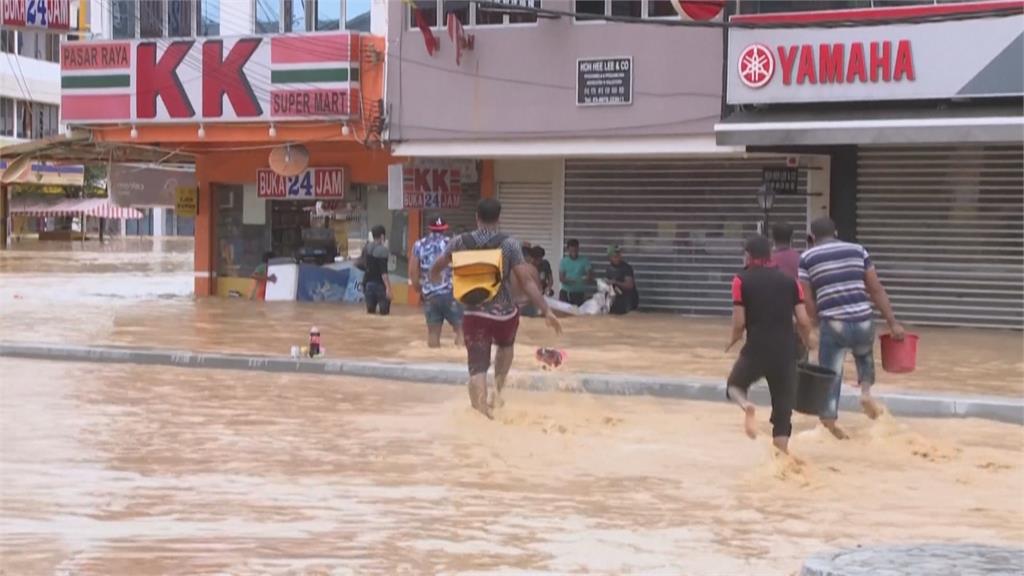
x,y
899,356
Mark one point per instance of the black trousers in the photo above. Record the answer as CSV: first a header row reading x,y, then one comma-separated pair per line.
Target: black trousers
x,y
574,298
376,296
780,372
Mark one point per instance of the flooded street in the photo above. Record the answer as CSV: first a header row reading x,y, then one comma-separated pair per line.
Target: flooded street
x,y
117,469
129,470
142,297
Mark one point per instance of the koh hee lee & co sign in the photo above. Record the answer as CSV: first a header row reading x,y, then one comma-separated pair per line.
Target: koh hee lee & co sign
x,y
48,14
934,60
280,77
430,186
310,184
604,81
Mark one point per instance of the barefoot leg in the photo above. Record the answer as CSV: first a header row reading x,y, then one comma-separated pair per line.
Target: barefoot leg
x,y
739,396
478,394
836,431
782,443
872,408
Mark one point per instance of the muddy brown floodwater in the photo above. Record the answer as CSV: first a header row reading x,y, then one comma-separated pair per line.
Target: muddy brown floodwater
x,y
110,469
138,292
116,469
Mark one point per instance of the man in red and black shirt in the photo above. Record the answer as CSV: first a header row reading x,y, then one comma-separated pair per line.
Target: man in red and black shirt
x,y
765,301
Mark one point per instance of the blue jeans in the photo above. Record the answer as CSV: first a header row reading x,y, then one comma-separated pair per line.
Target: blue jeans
x,y
838,336
440,307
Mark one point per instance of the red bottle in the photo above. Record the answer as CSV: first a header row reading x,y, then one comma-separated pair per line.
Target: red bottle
x,y
550,357
314,342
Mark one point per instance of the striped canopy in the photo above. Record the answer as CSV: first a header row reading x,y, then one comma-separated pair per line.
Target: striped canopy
x,y
95,207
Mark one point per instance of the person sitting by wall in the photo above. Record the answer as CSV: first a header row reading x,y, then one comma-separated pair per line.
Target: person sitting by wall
x,y
619,274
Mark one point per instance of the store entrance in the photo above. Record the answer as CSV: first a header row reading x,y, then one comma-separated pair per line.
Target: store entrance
x,y
287,221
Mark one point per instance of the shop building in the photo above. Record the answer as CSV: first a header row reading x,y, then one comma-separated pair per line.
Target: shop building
x,y
278,105
595,130
919,110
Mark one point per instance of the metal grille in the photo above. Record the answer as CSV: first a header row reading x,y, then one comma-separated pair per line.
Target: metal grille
x,y
681,223
461,219
945,228
526,212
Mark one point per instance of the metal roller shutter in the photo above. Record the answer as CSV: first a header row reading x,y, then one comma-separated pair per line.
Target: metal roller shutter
x,y
681,223
461,219
945,228
526,212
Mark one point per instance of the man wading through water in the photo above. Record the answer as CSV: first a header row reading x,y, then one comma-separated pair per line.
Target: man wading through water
x,y
491,316
765,301
841,283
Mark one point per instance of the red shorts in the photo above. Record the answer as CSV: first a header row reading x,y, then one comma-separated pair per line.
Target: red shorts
x,y
482,332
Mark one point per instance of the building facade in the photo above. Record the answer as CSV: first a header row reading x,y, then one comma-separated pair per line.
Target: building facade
x,y
919,109
595,130
230,86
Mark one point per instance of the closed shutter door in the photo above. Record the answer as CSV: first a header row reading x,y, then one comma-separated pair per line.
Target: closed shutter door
x,y
681,223
528,212
945,228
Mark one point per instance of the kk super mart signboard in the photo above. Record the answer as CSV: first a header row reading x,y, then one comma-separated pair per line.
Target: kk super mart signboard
x,y
48,14
263,78
310,184
966,58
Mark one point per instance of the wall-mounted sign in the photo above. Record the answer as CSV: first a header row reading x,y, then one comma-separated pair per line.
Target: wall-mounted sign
x,y
604,81
310,184
930,60
138,186
781,180
186,201
438,187
48,14
281,77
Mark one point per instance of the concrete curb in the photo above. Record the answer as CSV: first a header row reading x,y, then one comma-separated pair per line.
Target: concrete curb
x,y
901,403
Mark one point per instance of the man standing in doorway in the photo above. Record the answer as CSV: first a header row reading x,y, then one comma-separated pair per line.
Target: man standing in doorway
x,y
496,321
575,272
844,283
620,275
765,301
376,284
786,258
438,302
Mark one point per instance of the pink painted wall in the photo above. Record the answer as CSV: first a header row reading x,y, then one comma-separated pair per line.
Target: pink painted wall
x,y
520,81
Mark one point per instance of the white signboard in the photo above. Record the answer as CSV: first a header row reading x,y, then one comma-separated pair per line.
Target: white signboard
x,y
936,60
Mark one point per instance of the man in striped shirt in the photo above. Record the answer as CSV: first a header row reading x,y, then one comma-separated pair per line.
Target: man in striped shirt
x,y
844,284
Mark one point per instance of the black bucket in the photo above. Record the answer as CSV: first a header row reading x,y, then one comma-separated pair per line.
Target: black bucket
x,y
813,385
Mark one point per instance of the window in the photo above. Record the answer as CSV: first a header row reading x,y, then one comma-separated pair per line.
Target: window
x,y
122,15
52,48
6,117
357,15
470,13
297,15
595,7
8,41
627,8
179,18
208,18
427,10
328,14
48,121
151,19
268,17
661,9
776,6
458,7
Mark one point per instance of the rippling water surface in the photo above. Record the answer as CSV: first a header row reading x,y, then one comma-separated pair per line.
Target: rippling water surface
x,y
115,469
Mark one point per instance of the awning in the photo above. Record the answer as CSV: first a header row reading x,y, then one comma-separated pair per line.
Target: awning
x,y
894,126
95,207
79,148
695,145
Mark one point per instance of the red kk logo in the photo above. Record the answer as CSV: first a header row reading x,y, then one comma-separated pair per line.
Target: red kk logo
x,y
756,65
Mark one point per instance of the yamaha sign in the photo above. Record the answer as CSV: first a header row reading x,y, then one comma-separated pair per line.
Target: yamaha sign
x,y
979,57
